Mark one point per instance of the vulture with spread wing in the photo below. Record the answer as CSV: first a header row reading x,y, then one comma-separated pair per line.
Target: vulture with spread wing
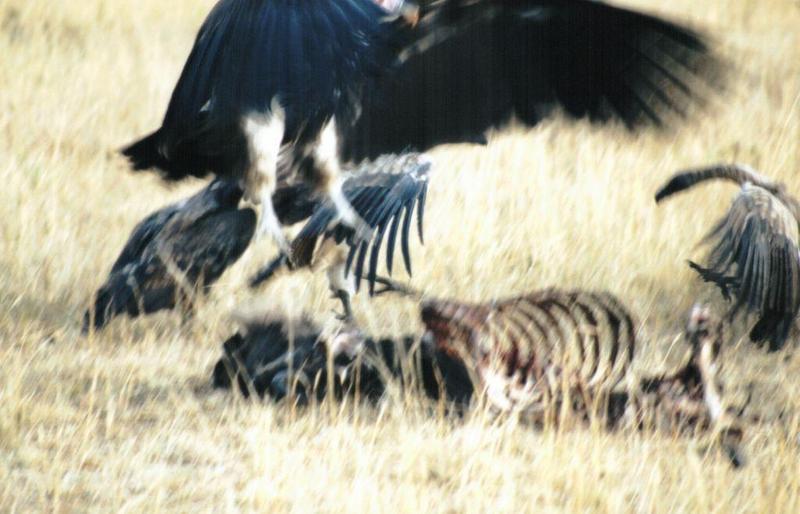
x,y
385,193
175,253
754,253
472,65
303,84
185,247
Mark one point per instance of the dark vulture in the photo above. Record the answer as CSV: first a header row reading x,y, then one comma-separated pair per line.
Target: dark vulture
x,y
275,356
305,84
174,254
754,256
385,193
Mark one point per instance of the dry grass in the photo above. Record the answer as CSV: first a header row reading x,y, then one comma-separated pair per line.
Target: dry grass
x,y
125,421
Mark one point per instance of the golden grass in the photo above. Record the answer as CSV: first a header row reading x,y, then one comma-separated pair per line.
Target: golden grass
x,y
126,421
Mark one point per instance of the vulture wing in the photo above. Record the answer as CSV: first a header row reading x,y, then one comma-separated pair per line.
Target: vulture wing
x,y
205,249
385,194
312,55
142,235
473,64
754,253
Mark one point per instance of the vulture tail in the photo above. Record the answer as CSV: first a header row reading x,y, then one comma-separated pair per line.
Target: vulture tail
x,y
143,154
146,154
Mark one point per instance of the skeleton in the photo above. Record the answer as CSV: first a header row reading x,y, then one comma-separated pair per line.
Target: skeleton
x,y
564,353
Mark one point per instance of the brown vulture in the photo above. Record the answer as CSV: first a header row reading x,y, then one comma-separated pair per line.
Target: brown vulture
x,y
174,253
188,245
754,254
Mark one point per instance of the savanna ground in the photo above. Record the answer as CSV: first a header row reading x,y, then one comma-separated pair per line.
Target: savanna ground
x,y
126,421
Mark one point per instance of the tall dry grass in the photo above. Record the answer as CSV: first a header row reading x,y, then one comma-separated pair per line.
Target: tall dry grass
x,y
126,421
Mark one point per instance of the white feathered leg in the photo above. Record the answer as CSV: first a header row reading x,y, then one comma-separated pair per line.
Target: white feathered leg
x,y
264,134
329,180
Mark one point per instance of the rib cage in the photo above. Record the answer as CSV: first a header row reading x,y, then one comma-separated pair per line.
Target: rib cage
x,y
525,349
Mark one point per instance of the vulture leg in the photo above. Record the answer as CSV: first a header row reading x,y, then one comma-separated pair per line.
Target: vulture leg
x,y
342,286
328,179
347,307
270,270
264,134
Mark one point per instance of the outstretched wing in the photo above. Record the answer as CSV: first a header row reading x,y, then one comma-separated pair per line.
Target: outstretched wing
x,y
754,254
311,54
384,194
736,173
473,64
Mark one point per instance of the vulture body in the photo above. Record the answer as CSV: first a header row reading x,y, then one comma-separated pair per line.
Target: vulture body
x,y
275,356
754,256
175,253
312,82
385,193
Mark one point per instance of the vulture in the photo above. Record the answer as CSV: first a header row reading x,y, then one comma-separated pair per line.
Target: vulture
x,y
175,253
305,85
753,258
185,247
277,357
385,193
